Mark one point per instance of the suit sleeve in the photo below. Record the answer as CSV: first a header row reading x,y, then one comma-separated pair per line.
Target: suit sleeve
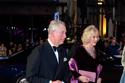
x,y
33,66
67,73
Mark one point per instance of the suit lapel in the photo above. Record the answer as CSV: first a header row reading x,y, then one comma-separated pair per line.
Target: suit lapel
x,y
51,53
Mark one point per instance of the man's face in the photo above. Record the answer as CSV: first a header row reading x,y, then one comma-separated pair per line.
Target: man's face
x,y
59,35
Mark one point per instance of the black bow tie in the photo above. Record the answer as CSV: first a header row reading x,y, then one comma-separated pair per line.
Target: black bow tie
x,y
55,48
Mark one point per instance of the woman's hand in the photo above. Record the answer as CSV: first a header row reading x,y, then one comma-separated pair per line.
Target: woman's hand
x,y
99,80
83,79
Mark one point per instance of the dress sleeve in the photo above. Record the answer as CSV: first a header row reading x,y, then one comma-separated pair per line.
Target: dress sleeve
x,y
74,68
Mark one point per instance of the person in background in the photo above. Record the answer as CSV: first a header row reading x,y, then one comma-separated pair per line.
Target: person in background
x,y
86,57
48,62
114,47
3,50
122,80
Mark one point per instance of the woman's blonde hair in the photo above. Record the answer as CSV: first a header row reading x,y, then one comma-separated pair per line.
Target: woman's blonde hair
x,y
88,32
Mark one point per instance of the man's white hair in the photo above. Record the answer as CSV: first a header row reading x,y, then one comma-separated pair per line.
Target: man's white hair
x,y
54,25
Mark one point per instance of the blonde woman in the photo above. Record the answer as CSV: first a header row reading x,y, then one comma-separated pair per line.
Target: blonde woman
x,y
86,59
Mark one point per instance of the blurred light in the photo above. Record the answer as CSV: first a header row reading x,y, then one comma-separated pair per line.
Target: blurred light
x,y
44,29
104,25
68,38
100,0
99,3
29,28
13,27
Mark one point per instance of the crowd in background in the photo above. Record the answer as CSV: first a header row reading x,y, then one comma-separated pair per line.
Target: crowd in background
x,y
109,45
7,49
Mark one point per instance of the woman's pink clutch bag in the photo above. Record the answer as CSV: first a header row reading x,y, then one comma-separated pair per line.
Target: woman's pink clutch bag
x,y
73,67
90,75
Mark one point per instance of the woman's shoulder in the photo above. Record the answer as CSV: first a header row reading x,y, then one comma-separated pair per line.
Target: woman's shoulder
x,y
80,47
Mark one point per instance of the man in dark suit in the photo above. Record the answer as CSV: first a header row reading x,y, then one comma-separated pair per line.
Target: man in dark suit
x,y
48,62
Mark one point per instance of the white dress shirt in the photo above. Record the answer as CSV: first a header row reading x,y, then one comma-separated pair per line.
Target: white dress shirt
x,y
56,52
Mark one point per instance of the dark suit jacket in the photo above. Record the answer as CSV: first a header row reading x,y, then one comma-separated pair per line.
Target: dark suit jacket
x,y
42,65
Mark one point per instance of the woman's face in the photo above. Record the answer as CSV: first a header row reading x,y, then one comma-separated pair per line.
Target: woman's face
x,y
94,38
